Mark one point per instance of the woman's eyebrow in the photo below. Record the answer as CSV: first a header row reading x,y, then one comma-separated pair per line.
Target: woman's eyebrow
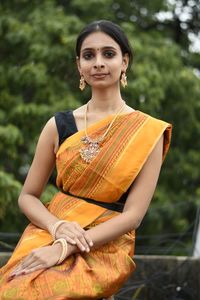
x,y
103,48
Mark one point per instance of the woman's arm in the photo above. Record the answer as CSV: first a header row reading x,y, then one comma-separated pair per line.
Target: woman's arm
x,y
136,205
38,175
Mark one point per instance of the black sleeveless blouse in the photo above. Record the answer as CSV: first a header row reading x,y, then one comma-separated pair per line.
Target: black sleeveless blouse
x,y
66,126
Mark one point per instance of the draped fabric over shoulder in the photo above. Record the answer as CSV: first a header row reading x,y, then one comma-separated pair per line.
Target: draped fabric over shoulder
x,y
101,272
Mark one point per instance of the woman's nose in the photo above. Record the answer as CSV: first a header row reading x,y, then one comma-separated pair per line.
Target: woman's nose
x,y
99,63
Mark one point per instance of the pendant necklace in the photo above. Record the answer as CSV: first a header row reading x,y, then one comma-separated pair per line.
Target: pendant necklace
x,y
92,146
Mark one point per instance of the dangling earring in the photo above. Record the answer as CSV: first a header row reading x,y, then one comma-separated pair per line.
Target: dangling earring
x,y
82,84
123,80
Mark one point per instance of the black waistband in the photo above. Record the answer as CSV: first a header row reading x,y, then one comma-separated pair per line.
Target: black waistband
x,y
116,206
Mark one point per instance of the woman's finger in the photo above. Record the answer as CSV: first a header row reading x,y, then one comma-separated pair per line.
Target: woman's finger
x,y
30,260
30,270
29,267
73,233
22,269
83,242
85,234
80,240
81,246
20,265
73,241
68,239
88,238
36,268
71,237
27,261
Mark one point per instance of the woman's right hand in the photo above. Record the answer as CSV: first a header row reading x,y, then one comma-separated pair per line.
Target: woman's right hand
x,y
74,234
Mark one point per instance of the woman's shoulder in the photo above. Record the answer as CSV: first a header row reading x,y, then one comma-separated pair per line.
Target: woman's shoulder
x,y
129,109
50,129
157,119
50,124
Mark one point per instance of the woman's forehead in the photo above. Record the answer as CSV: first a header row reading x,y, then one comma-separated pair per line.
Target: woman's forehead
x,y
99,40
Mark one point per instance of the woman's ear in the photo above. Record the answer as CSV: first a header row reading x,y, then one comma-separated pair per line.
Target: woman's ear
x,y
125,62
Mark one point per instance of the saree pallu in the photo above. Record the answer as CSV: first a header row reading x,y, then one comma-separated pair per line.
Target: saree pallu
x,y
101,272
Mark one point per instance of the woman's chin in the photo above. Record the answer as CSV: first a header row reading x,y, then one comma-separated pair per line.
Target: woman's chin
x,y
102,85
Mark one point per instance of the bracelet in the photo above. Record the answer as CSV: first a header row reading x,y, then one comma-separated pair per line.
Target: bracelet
x,y
64,249
54,228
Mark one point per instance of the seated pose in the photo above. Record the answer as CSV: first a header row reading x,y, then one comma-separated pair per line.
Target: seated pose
x,y
108,156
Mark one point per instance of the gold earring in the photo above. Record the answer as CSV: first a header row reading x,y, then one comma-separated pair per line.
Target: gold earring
x,y
82,84
123,80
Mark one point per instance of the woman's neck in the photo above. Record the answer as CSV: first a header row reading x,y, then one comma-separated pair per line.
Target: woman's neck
x,y
105,101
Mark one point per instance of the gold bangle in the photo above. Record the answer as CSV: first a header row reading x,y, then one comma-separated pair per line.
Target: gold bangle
x,y
63,255
55,227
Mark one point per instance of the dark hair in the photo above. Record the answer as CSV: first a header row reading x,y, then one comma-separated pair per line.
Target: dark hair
x,y
111,29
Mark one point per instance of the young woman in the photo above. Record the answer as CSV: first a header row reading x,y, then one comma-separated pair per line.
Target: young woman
x,y
108,158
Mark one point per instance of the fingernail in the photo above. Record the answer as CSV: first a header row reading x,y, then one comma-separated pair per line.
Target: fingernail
x,y
88,250
83,248
91,243
11,277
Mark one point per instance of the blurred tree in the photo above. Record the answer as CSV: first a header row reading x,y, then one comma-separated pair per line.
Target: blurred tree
x,y
38,77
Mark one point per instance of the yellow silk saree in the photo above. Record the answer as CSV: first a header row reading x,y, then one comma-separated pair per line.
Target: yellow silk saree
x,y
101,272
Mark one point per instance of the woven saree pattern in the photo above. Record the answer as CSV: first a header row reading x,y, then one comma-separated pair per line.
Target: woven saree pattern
x,y
101,272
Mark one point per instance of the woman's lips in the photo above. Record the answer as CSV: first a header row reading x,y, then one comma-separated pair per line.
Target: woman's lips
x,y
99,75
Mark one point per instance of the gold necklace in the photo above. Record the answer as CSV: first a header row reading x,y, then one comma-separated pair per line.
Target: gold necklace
x,y
92,148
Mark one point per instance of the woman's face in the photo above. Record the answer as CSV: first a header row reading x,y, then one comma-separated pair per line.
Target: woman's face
x,y
101,61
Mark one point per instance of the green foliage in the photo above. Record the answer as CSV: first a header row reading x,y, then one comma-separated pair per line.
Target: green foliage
x,y
10,189
48,194
38,77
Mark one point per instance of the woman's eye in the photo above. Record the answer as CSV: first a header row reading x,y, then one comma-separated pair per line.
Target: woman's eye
x,y
87,55
109,54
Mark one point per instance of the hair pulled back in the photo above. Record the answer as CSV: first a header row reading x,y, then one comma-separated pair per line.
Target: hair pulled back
x,y
109,28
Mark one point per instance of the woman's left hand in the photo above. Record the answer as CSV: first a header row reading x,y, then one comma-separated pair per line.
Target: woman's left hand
x,y
41,258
